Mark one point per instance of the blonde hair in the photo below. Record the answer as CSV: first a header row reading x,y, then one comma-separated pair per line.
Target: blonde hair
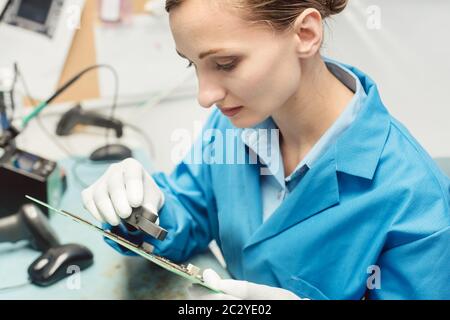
x,y
279,13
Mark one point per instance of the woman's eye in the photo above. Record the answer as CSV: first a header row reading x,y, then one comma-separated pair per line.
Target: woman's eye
x,y
226,67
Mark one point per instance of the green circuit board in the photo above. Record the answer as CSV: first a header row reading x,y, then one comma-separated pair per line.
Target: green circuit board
x,y
181,270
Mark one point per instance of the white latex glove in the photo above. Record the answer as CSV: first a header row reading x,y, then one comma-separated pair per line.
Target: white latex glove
x,y
123,186
239,290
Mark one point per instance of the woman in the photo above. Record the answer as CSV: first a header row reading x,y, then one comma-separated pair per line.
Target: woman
x,y
342,202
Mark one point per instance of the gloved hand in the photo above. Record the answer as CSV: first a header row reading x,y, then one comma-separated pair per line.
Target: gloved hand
x,y
238,290
124,186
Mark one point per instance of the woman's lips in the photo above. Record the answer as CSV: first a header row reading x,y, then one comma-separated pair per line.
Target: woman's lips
x,y
230,112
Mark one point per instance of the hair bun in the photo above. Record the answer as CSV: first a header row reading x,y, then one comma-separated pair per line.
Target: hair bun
x,y
336,6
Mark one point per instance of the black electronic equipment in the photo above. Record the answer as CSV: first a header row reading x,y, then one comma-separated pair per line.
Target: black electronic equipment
x,y
23,173
78,116
54,264
38,16
29,223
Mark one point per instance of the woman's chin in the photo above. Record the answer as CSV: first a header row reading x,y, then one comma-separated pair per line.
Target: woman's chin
x,y
243,121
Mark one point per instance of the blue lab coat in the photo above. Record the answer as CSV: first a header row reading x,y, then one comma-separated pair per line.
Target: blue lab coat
x,y
370,219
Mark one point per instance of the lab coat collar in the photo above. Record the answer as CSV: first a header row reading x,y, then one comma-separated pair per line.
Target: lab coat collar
x,y
359,148
356,152
318,190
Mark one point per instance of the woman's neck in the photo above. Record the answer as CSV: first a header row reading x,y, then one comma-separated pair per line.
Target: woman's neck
x,y
307,115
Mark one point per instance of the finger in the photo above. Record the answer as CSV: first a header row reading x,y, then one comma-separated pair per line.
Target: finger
x,y
153,196
133,182
118,193
89,205
236,288
104,204
212,279
229,288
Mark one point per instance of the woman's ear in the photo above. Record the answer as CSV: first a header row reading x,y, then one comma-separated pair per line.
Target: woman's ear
x,y
308,28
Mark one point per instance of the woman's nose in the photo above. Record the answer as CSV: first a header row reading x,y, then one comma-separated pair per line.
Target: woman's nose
x,y
209,93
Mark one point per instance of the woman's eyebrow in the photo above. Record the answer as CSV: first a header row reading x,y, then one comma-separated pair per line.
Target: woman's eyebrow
x,y
203,54
209,52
